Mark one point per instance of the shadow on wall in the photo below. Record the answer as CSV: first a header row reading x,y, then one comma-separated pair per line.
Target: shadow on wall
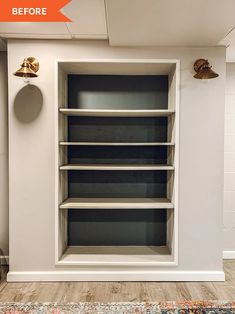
x,y
28,103
3,260
3,264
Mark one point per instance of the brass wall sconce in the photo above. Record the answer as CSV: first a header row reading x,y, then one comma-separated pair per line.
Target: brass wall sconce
x,y
204,70
28,69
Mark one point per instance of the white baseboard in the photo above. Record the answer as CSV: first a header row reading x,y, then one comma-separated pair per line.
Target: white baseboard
x,y
228,254
4,260
19,276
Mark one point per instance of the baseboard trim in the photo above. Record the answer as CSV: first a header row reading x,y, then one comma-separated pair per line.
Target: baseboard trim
x,y
228,254
4,260
21,276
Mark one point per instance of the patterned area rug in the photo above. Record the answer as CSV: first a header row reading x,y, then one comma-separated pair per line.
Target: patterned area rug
x,y
208,307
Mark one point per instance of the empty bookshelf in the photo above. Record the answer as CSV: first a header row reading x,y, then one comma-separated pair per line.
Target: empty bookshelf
x,y
117,163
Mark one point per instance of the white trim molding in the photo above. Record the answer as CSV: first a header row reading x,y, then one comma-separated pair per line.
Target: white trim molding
x,y
228,254
24,276
4,260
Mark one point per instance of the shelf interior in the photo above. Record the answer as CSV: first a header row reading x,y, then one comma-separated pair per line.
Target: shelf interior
x,y
99,227
115,92
116,255
149,155
116,130
118,184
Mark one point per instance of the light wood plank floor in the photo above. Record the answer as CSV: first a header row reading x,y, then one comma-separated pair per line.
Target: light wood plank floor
x,y
64,292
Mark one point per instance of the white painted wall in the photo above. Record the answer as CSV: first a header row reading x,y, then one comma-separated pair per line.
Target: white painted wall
x,y
3,159
229,164
32,169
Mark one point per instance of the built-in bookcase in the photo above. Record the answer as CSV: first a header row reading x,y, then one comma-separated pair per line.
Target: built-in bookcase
x,y
117,162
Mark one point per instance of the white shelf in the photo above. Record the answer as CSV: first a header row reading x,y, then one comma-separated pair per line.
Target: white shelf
x,y
115,167
115,144
116,203
118,255
116,113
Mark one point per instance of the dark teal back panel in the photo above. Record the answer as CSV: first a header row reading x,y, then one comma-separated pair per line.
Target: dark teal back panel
x,y
117,227
127,226
117,183
118,91
117,155
112,129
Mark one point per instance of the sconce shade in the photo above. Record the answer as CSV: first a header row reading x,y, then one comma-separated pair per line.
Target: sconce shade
x,y
29,67
204,70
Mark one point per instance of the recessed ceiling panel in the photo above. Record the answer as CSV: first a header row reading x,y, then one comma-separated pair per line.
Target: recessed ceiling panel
x,y
34,30
169,22
88,18
88,21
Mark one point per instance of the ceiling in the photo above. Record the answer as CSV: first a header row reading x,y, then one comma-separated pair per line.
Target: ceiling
x,y
139,23
229,42
89,21
169,22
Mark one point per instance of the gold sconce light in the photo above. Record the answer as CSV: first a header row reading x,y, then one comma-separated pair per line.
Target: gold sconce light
x,y
204,70
28,69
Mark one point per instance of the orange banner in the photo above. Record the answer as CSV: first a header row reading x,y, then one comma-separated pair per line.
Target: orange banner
x,y
32,11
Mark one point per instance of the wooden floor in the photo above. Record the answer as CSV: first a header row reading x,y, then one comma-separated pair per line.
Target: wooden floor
x,y
64,292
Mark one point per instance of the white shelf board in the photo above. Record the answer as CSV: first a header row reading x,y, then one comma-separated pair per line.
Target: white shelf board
x,y
118,255
116,203
115,144
116,113
116,167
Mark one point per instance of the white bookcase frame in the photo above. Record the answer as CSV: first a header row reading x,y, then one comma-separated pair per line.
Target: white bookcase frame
x,y
69,256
